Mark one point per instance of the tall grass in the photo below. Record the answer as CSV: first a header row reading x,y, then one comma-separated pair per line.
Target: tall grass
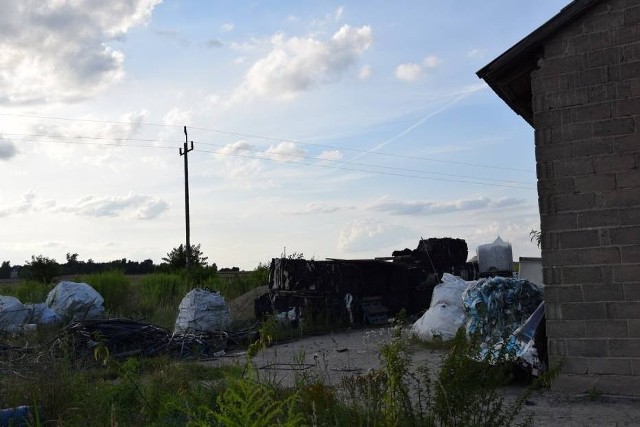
x,y
114,287
29,291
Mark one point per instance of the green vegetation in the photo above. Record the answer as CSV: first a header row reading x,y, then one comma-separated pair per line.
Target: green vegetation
x,y
166,392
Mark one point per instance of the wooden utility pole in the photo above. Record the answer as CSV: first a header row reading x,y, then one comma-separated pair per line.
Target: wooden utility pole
x,y
183,152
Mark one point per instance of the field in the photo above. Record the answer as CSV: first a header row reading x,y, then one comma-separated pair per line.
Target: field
x,y
356,377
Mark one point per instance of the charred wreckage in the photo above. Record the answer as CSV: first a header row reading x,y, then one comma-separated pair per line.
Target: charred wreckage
x,y
363,290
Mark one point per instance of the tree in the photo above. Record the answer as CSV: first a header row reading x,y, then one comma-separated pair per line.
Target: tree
x,y
42,268
536,235
5,270
177,258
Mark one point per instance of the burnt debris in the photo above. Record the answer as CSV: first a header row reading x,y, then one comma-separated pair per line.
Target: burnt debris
x,y
338,289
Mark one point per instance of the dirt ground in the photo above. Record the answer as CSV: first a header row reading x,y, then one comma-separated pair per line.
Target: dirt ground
x,y
333,356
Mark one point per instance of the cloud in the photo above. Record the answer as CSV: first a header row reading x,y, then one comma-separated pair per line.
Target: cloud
x,y
175,116
285,151
137,206
408,72
365,234
227,27
477,53
339,13
364,73
86,130
234,165
27,204
57,51
297,64
7,149
431,61
411,71
434,208
319,208
241,147
214,43
330,155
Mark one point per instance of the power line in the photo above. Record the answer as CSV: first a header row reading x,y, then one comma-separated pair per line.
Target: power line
x,y
496,182
369,171
505,183
371,165
267,138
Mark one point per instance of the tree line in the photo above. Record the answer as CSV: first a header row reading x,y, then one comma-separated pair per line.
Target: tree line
x,y
43,268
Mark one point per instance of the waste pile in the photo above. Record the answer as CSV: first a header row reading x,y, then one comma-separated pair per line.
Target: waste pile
x,y
505,314
497,306
446,312
67,301
403,281
124,338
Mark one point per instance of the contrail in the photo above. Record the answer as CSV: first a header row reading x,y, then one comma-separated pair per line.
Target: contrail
x,y
465,92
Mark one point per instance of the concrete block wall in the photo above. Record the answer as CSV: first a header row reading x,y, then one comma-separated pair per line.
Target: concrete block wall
x,y
586,103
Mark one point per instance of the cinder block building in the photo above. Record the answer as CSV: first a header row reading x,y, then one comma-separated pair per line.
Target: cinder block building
x,y
576,80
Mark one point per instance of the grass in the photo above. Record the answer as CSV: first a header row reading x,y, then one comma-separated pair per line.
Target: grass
x,y
166,392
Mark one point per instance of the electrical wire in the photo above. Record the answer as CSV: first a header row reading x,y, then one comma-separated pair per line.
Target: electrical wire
x,y
266,138
494,182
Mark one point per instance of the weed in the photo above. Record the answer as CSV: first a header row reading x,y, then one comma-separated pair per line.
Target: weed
x,y
114,287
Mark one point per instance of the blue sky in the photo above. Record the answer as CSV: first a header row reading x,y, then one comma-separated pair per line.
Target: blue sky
x,y
336,129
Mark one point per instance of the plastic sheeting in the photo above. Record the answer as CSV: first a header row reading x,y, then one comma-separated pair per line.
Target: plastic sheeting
x,y
75,301
41,314
446,312
202,311
498,306
13,314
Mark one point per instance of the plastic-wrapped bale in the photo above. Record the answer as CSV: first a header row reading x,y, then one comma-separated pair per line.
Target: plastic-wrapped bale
x,y
73,301
13,314
202,310
498,306
446,313
41,314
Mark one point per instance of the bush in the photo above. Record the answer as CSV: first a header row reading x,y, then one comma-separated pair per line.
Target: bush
x,y
114,287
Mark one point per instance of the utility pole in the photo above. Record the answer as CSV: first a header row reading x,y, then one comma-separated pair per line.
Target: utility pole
x,y
183,152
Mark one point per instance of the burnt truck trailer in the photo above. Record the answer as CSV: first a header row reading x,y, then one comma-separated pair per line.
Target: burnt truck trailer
x,y
363,290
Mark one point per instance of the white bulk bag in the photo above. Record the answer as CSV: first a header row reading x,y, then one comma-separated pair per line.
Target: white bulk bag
x,y
13,314
446,312
202,310
75,301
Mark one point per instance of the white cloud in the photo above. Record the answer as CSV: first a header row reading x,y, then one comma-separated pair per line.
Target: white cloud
x,y
477,53
364,73
408,72
131,206
285,151
431,61
319,208
57,51
330,155
395,207
299,64
241,146
235,166
7,149
227,27
366,234
339,14
176,116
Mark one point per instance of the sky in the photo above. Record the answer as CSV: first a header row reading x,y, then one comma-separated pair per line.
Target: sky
x,y
333,129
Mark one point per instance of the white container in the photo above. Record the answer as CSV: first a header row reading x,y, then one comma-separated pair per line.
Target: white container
x,y
494,257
